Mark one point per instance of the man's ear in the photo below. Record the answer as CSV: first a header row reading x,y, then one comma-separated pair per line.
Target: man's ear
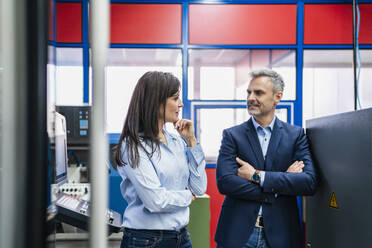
x,y
278,96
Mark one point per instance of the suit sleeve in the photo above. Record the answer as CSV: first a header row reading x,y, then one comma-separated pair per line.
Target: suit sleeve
x,y
286,183
228,182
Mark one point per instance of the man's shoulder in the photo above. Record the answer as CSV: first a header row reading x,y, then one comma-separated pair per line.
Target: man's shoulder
x,y
288,126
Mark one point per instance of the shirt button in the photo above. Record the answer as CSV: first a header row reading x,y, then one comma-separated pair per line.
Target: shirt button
x,y
265,139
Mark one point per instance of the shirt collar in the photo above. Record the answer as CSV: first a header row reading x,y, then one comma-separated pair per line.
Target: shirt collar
x,y
168,135
256,125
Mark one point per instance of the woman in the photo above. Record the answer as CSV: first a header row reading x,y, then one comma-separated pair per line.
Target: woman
x,y
161,171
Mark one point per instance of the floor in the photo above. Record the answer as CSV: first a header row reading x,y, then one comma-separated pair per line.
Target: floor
x,y
79,240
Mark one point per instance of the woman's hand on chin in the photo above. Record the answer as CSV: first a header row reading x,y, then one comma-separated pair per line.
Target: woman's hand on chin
x,y
185,128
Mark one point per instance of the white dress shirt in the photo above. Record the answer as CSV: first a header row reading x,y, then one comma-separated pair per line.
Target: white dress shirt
x,y
264,136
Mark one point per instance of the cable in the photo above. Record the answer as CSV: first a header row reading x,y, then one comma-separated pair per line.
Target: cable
x,y
354,57
359,59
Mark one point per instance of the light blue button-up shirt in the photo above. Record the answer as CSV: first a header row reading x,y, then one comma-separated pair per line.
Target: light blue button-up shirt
x,y
159,190
264,135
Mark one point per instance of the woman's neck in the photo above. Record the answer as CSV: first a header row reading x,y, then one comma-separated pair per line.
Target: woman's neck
x,y
160,128
160,133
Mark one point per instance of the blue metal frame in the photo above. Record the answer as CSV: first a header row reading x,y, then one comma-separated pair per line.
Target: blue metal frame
x,y
59,44
86,46
242,46
299,62
185,61
171,46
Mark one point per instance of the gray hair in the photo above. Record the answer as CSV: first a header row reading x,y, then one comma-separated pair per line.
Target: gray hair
x,y
275,78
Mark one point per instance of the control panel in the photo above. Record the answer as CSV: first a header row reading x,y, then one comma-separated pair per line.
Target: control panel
x,y
76,212
78,122
76,190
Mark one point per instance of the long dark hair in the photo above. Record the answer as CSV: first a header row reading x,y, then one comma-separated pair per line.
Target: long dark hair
x,y
141,122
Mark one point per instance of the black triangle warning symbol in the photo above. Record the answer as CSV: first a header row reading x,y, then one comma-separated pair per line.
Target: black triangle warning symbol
x,y
333,202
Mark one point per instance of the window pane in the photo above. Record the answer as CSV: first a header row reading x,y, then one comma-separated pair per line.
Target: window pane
x,y
365,85
125,67
210,138
223,74
69,76
328,85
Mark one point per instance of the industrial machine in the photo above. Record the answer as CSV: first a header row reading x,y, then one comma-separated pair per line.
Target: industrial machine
x,y
339,214
71,209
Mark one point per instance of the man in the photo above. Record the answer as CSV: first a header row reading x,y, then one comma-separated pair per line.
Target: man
x,y
262,166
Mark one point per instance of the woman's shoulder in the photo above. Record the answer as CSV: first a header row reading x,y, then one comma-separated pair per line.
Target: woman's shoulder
x,y
144,144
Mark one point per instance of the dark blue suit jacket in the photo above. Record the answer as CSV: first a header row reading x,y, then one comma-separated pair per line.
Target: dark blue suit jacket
x,y
243,199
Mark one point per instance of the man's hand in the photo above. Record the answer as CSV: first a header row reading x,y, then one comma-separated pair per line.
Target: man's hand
x,y
296,167
246,170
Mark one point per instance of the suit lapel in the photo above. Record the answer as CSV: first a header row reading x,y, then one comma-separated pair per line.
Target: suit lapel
x,y
274,143
255,145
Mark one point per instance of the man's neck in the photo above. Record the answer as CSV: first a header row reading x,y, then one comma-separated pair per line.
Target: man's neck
x,y
264,121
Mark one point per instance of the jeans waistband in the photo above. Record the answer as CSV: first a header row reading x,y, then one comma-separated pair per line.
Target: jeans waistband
x,y
156,232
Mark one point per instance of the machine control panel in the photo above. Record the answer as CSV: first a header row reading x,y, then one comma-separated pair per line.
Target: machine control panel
x,y
76,190
76,212
78,122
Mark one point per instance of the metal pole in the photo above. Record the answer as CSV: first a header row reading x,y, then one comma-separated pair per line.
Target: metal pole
x,y
355,56
13,118
36,191
98,152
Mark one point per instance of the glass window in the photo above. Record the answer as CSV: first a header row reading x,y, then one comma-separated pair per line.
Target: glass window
x,y
223,74
365,85
125,67
210,138
328,84
51,85
69,76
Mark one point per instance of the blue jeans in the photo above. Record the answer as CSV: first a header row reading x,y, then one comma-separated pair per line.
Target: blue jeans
x,y
256,240
133,238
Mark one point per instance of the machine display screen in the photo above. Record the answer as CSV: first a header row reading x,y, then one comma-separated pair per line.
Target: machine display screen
x,y
61,161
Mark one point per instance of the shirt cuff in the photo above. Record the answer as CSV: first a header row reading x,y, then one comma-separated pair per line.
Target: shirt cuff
x,y
196,152
262,175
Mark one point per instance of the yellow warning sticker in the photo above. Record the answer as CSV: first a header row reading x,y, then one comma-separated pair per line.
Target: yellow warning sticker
x,y
333,202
